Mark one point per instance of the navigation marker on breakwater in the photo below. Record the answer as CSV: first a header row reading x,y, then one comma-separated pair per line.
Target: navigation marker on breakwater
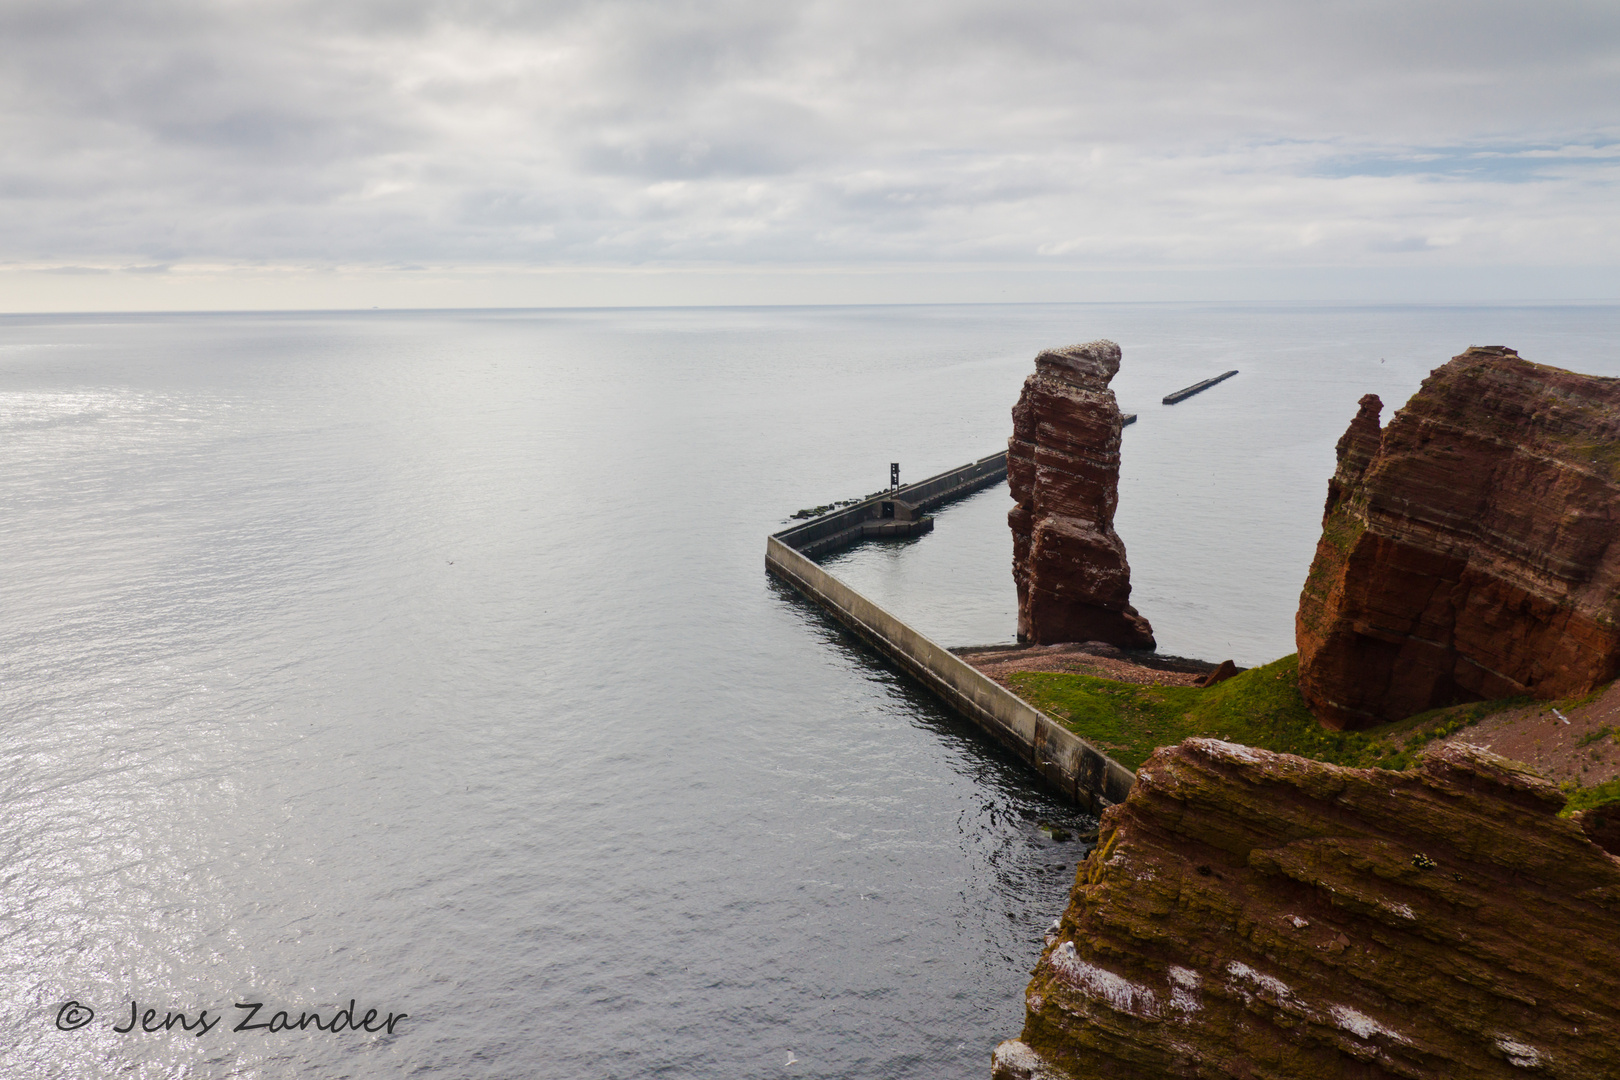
x,y
1197,388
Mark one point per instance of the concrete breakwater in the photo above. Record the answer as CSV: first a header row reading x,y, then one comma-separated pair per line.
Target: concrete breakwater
x,y
1070,764
1197,388
871,517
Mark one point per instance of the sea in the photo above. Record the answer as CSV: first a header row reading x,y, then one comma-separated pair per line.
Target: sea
x,y
402,694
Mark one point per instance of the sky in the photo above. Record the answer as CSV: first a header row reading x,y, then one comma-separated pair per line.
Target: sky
x,y
181,154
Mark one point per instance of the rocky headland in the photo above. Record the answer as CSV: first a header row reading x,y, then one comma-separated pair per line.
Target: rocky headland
x,y
1469,549
1255,915
1258,915
1074,583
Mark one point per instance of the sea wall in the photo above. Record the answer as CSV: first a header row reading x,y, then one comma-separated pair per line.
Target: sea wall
x,y
1067,762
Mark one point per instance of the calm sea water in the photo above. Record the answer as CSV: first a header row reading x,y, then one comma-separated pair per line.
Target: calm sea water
x,y
428,660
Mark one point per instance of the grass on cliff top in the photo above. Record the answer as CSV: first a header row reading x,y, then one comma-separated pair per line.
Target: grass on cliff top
x,y
1259,707
1588,798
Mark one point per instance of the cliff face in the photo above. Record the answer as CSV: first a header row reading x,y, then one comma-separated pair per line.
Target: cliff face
x,y
1469,549
1261,916
1063,468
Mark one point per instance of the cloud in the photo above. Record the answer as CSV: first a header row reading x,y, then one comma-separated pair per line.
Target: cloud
x,y
623,132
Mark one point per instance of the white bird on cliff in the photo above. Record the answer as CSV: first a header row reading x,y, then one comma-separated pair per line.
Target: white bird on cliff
x,y
791,1059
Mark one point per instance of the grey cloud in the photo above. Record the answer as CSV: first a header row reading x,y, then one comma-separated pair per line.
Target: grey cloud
x,y
689,158
629,130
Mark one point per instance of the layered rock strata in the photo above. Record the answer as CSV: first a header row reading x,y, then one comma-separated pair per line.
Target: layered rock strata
x,y
1258,915
1469,549
1074,583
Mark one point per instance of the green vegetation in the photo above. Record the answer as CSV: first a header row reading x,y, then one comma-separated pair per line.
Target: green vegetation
x,y
1587,798
1582,449
1262,707
1342,529
1595,736
1259,707
1584,699
1416,732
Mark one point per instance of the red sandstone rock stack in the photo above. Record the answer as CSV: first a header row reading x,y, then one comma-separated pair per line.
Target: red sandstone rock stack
x,y
1063,468
1259,915
1469,550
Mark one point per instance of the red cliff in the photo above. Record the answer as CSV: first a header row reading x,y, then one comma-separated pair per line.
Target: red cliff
x,y
1063,469
1258,915
1469,549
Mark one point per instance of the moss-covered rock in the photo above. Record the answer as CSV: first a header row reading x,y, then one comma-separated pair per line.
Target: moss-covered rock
x,y
1264,916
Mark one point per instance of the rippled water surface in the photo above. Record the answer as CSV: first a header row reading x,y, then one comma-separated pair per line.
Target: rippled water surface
x,y
428,660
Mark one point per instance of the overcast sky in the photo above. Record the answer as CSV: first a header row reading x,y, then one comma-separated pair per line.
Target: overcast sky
x,y
172,146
